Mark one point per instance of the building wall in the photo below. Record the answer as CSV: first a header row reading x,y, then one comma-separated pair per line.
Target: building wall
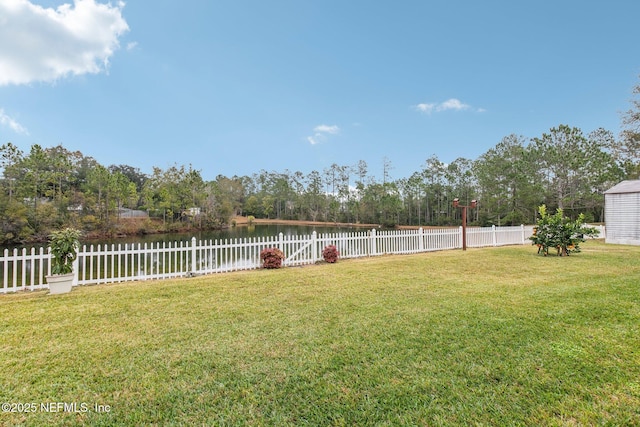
x,y
622,218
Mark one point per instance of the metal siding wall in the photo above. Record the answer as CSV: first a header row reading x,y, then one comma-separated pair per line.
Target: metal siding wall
x,y
622,216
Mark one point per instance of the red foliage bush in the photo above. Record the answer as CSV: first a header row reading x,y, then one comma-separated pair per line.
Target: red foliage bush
x,y
330,254
271,258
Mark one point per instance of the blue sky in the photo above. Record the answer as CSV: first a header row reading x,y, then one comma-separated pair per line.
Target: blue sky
x,y
234,87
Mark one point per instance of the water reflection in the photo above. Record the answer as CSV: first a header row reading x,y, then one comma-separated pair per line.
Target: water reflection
x,y
259,230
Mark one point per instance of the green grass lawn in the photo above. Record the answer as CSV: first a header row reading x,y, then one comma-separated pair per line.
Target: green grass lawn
x,y
497,336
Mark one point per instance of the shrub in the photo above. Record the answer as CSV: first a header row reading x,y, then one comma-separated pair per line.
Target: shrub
x,y
330,254
64,250
389,223
90,222
271,258
560,232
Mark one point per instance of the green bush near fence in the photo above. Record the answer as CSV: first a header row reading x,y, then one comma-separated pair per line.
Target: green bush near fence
x,y
494,336
560,232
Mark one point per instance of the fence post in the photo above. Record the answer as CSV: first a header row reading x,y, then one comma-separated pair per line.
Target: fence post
x,y
76,263
193,255
524,240
421,239
460,238
314,246
372,242
494,237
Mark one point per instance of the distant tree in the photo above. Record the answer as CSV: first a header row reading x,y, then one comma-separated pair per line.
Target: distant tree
x,y
560,156
217,206
14,224
252,206
361,171
436,205
314,200
191,188
509,183
34,175
462,180
99,194
123,190
297,187
344,192
574,167
61,172
10,159
387,166
84,166
133,174
601,171
412,190
172,192
382,204
629,146
232,191
267,205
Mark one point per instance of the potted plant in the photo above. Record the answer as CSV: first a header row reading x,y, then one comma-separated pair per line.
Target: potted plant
x,y
64,246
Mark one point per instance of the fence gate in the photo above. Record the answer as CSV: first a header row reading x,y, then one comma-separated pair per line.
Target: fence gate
x,y
299,249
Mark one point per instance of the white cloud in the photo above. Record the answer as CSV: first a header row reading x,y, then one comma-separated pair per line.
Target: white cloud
x,y
450,104
321,133
45,44
327,129
425,108
5,120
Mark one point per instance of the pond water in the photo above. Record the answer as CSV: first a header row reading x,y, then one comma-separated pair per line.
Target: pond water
x,y
156,261
243,231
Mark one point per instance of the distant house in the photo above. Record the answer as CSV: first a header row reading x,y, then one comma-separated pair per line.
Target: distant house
x,y
622,213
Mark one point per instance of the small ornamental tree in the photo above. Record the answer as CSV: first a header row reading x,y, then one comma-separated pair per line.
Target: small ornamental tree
x,y
330,254
271,258
559,232
64,250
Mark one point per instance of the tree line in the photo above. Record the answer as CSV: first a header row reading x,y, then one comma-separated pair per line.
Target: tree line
x,y
48,188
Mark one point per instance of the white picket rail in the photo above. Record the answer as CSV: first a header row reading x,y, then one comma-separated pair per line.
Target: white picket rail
x,y
26,269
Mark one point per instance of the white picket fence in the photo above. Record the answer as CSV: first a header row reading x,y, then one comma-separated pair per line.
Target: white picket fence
x,y
26,269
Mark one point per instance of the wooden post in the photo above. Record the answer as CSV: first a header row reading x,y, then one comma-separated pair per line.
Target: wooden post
x,y
464,228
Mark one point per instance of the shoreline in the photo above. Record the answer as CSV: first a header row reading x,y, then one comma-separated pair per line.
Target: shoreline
x,y
242,220
127,227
